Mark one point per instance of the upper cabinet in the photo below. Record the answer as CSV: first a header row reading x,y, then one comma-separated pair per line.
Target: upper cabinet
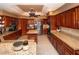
x,y
77,17
62,20
53,23
69,18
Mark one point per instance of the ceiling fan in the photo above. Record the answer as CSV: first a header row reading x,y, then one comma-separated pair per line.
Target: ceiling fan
x,y
32,13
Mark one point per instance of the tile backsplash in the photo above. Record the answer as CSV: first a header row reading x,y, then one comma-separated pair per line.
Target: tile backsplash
x,y
71,31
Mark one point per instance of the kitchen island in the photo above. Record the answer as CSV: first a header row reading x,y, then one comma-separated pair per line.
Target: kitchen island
x,y
6,48
32,34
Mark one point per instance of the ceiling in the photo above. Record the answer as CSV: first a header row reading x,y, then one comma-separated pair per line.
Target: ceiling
x,y
22,9
26,8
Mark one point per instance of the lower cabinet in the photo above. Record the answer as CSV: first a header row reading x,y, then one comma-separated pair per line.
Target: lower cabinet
x,y
45,31
19,33
77,52
13,36
61,47
52,40
68,50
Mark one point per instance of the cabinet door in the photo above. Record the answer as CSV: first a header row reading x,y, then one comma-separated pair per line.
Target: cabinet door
x,y
53,22
77,17
19,33
49,37
68,50
68,18
24,26
12,36
62,19
59,46
73,18
78,24
77,52
54,40
58,20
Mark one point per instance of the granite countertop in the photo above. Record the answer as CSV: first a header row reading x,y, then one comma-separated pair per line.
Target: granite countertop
x,y
70,40
32,32
6,48
6,33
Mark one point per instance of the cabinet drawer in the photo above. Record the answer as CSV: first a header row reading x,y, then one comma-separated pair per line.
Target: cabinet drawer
x,y
68,50
77,52
12,36
59,47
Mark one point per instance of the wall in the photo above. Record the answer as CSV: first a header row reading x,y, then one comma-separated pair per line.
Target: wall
x,y
74,32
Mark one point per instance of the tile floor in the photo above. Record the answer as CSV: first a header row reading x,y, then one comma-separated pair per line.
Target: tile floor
x,y
44,46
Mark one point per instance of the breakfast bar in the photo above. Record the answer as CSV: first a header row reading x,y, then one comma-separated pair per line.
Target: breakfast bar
x,y
6,48
32,34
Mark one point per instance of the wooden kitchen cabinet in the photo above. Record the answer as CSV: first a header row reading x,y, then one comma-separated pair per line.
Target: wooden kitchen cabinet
x,y
32,35
24,26
45,31
69,19
53,22
73,19
62,19
13,36
77,17
58,18
8,21
77,52
60,46
68,50
52,40
19,33
49,36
